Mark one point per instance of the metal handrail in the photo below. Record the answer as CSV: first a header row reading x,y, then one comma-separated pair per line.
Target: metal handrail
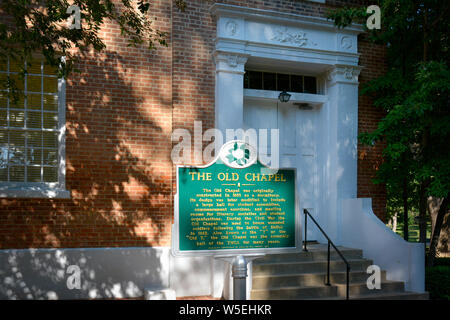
x,y
306,212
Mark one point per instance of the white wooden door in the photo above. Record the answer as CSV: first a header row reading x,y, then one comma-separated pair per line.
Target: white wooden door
x,y
297,147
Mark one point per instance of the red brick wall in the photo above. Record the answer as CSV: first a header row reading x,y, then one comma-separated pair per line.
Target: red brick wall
x,y
369,158
121,110
119,124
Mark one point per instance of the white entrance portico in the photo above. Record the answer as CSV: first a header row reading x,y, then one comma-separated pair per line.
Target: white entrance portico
x,y
320,140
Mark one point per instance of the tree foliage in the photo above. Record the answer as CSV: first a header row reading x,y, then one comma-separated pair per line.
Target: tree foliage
x,y
41,27
414,93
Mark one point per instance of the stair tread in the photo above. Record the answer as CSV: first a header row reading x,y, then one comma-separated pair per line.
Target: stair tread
x,y
281,275
307,262
288,288
374,296
388,294
356,283
364,283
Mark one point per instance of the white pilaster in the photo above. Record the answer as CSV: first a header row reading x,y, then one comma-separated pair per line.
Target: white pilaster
x,y
229,90
342,140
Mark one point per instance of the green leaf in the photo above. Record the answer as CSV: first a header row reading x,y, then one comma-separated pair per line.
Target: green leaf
x,y
230,158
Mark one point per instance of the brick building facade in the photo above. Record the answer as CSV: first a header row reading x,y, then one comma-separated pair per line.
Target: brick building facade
x,y
120,112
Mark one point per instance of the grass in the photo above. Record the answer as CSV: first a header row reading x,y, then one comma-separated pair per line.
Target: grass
x,y
413,231
437,279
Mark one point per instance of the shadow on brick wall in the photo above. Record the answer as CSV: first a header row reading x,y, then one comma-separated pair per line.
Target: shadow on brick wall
x,y
118,171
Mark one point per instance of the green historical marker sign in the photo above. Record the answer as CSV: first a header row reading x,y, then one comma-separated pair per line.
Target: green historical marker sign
x,y
234,206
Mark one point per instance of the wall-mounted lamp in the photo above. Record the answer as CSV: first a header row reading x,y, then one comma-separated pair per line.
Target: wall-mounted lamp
x,y
284,96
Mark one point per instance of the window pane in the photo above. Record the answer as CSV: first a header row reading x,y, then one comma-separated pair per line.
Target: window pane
x,y
310,85
3,138
50,120
17,173
296,83
50,84
34,101
50,174
34,119
34,83
49,70
287,82
3,173
270,81
19,104
255,79
19,81
17,138
34,139
16,155
3,101
34,174
50,103
3,148
15,66
283,82
3,65
246,80
3,157
3,77
34,67
50,139
3,114
16,118
50,157
34,156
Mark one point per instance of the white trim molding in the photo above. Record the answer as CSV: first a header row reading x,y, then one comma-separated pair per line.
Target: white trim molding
x,y
34,192
270,16
312,99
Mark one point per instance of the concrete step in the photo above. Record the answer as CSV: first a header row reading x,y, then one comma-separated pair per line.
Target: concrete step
x,y
308,279
314,253
399,295
405,295
278,268
333,292
302,275
361,289
294,293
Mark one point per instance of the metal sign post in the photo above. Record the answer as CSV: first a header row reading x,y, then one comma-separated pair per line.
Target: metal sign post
x,y
239,273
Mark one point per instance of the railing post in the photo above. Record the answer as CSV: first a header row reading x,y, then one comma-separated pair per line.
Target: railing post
x,y
348,280
328,265
330,243
306,229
